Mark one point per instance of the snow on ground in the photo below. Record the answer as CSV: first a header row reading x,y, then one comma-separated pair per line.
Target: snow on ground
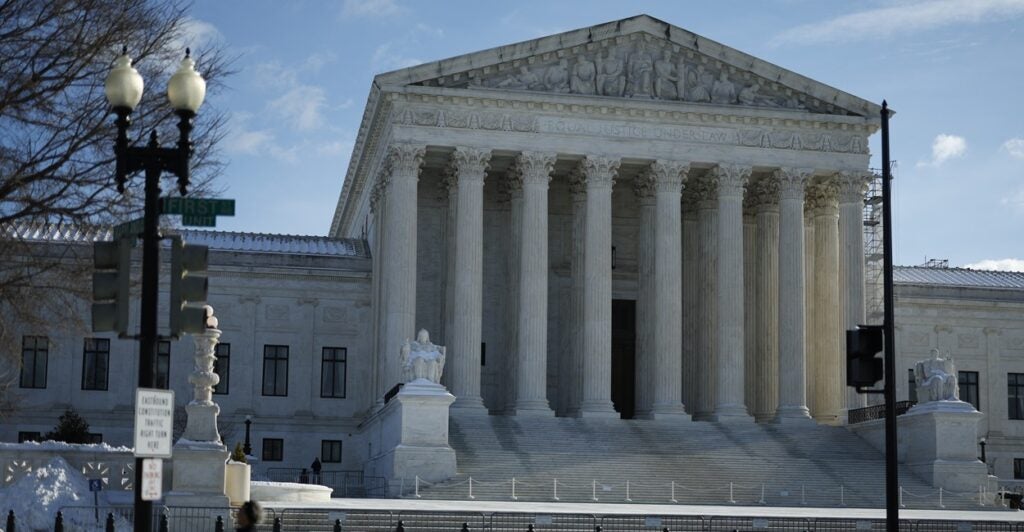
x,y
51,445
36,498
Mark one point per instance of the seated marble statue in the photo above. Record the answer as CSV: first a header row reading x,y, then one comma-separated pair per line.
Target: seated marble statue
x,y
422,359
936,379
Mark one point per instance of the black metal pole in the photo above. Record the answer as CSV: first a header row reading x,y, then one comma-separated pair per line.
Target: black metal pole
x,y
150,303
892,482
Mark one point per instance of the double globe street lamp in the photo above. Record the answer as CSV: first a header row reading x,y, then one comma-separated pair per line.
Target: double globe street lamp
x,y
185,91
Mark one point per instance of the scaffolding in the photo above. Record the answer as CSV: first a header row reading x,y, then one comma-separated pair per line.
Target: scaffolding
x,y
873,248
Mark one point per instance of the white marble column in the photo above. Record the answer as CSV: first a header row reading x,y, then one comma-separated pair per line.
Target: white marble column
x,y
600,175
852,187
668,289
792,298
377,299
643,188
398,258
809,336
577,188
468,167
513,186
533,169
690,308
830,388
729,400
765,199
705,192
449,184
750,339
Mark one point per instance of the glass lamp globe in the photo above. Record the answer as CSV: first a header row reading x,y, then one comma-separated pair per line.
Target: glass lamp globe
x,y
186,89
123,86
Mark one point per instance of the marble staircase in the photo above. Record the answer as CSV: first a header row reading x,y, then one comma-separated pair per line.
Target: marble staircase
x,y
692,463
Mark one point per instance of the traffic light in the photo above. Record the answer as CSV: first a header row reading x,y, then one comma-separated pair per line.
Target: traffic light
x,y
111,285
862,344
188,287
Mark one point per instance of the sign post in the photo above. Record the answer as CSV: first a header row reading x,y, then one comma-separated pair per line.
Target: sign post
x,y
95,486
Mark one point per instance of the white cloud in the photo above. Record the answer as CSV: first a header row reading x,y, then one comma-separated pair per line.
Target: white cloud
x,y
944,148
1015,200
196,34
386,58
241,139
900,19
1015,147
370,8
1006,265
301,107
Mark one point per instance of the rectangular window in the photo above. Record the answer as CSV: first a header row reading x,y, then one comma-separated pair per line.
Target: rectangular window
x,y
1015,395
911,386
95,363
273,449
34,355
968,382
163,364
275,370
1018,468
222,367
29,436
330,451
333,372
483,353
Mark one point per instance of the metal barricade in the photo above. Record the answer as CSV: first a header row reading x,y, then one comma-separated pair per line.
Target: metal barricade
x,y
520,522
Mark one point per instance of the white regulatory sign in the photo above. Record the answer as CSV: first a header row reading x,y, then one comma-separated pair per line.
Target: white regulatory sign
x,y
154,422
152,479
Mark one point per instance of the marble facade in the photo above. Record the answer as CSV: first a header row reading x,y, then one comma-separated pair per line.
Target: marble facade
x,y
557,175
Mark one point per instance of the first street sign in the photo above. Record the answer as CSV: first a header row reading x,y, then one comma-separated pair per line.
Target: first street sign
x,y
154,422
197,206
129,228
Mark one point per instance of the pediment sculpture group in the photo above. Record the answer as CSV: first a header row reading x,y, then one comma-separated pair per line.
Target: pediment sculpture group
x,y
640,73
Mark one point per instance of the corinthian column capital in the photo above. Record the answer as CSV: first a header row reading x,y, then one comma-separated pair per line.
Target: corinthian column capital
x,y
764,194
730,179
668,175
823,198
600,171
532,167
853,186
792,181
469,164
404,160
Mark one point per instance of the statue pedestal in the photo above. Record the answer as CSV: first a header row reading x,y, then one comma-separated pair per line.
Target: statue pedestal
x,y
412,431
941,439
198,475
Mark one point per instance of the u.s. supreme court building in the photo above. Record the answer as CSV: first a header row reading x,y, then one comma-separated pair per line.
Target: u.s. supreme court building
x,y
623,222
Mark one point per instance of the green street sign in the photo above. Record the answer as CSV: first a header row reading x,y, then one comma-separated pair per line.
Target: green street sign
x,y
198,207
129,228
193,220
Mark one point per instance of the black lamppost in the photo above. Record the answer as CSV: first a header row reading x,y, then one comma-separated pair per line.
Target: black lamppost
x,y
185,90
982,443
247,448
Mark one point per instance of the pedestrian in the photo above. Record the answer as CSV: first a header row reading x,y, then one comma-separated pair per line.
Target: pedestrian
x,y
316,467
304,476
249,516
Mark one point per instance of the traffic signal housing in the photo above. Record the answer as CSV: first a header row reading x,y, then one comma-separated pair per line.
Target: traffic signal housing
x,y
111,285
188,287
863,368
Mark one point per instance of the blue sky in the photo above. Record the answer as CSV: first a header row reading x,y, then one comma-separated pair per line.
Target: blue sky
x,y
950,68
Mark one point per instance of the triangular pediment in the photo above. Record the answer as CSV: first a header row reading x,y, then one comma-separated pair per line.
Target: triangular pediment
x,y
638,58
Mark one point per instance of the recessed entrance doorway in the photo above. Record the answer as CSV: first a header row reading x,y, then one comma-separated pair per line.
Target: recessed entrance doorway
x,y
624,357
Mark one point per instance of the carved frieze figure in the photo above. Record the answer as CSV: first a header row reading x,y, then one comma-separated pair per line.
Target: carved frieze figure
x,y
701,82
611,79
665,77
524,80
723,91
749,96
584,76
641,72
936,379
422,359
681,71
556,78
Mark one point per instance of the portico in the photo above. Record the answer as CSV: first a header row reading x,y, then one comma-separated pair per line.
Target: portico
x,y
508,212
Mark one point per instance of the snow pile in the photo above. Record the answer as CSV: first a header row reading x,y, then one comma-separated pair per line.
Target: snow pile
x,y
36,497
51,445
